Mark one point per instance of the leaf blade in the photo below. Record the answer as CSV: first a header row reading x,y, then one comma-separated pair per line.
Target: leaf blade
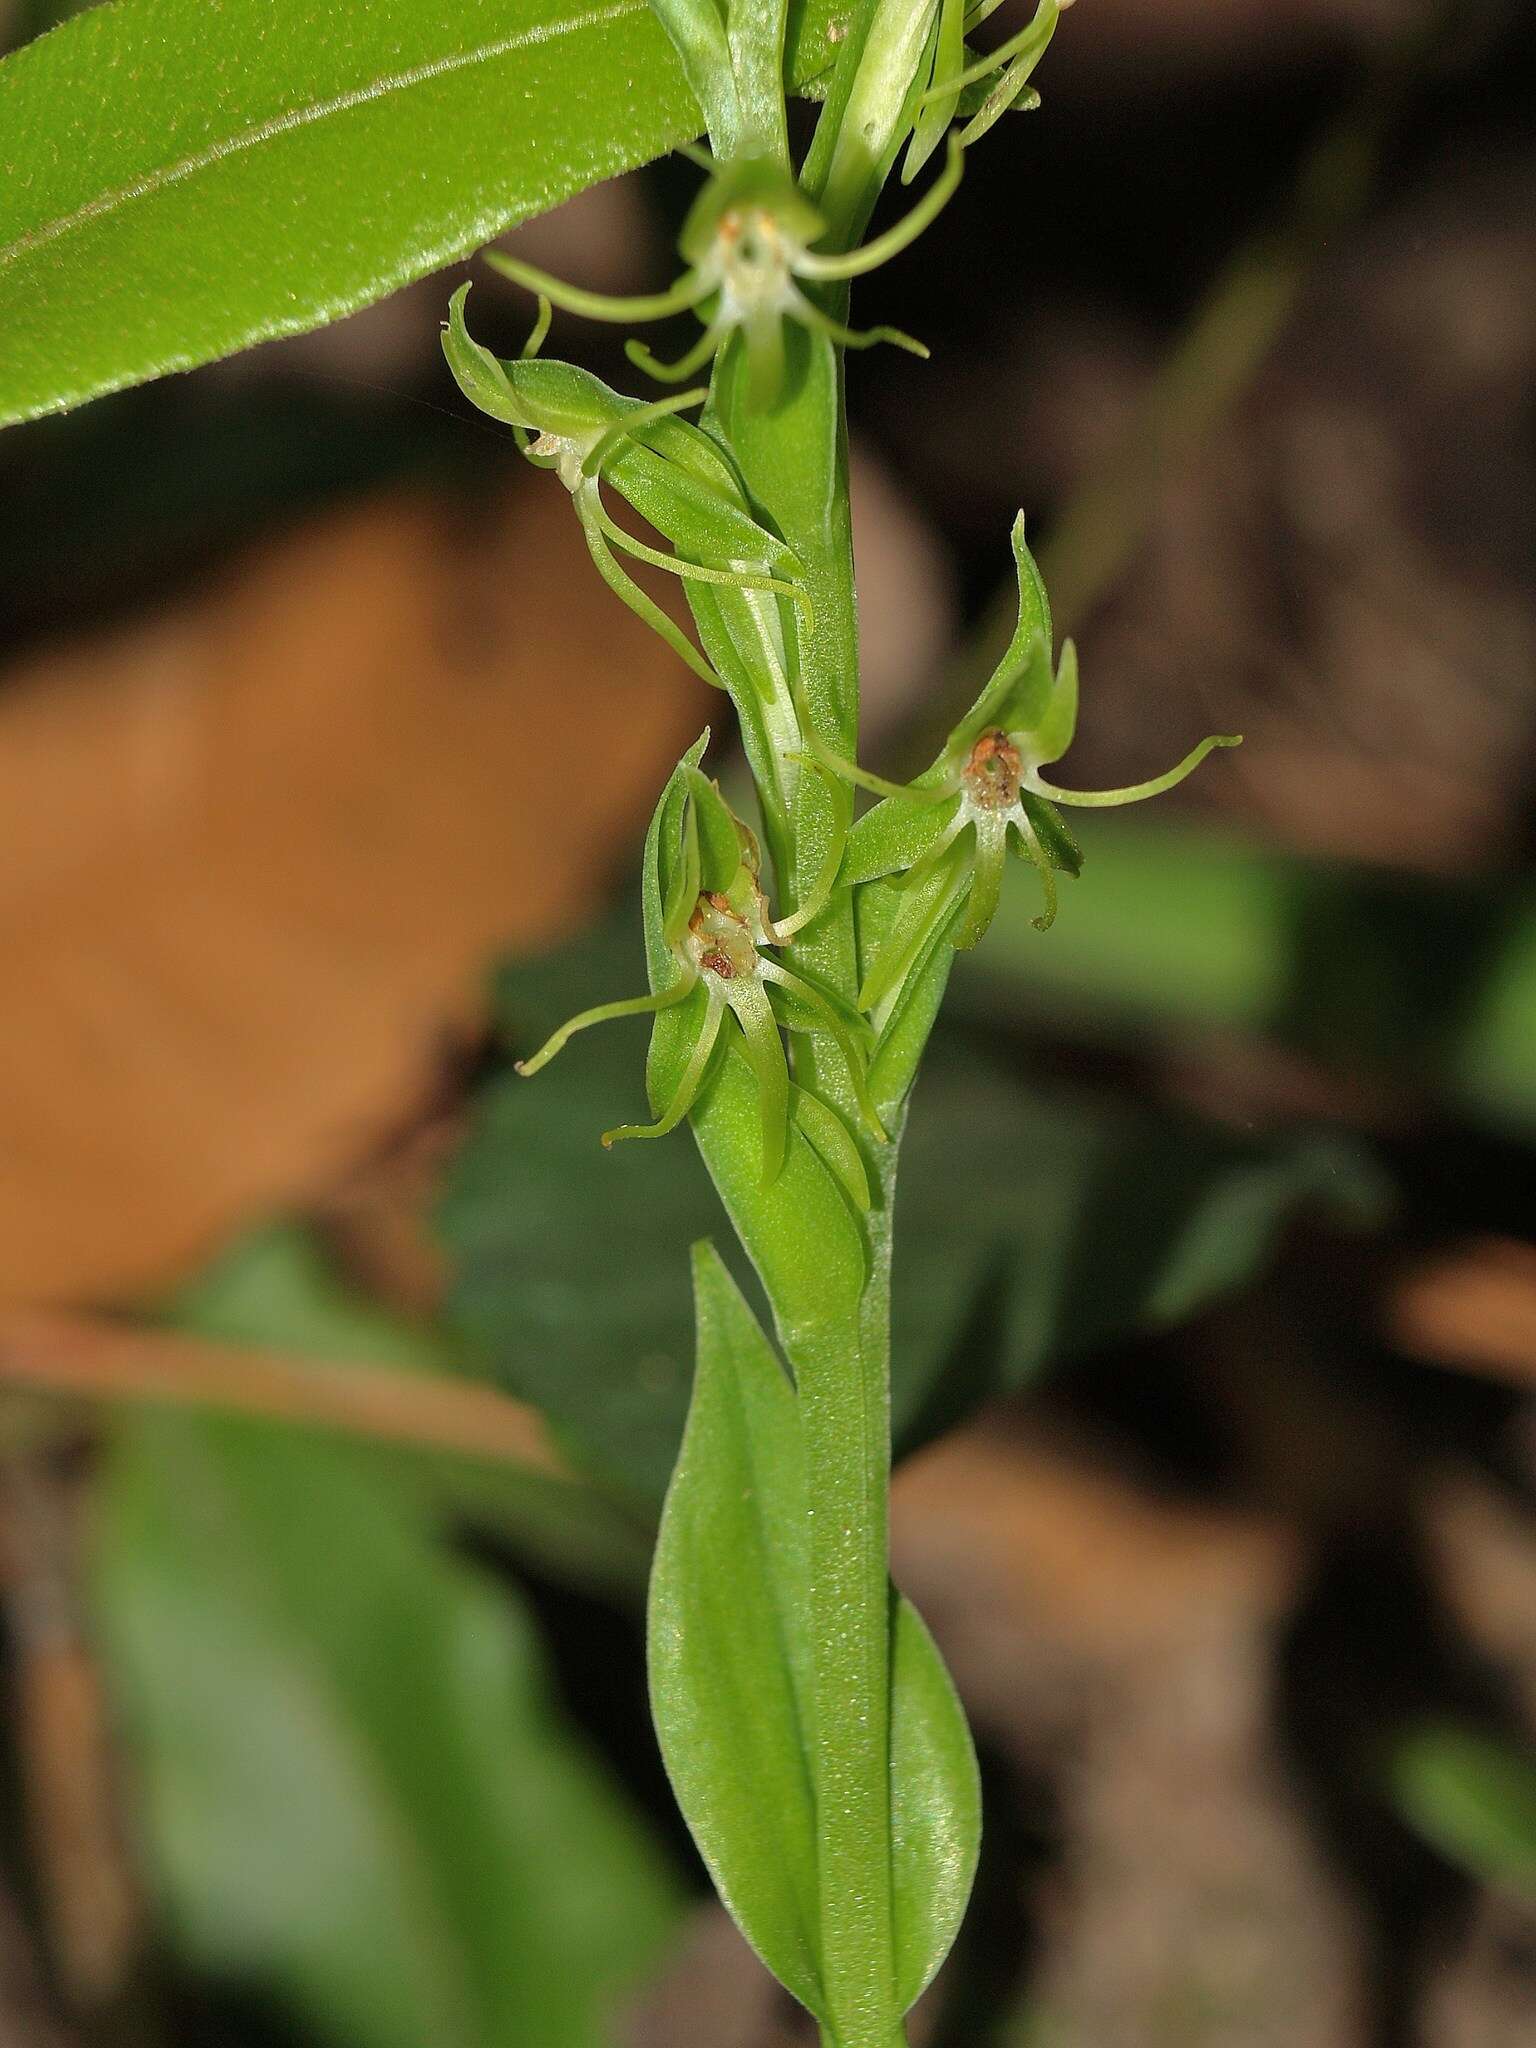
x,y
732,1685
305,163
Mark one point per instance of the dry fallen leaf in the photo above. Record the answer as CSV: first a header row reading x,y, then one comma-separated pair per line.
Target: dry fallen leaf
x,y
261,846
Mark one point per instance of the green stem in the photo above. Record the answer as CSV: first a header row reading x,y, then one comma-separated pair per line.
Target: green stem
x,y
844,1414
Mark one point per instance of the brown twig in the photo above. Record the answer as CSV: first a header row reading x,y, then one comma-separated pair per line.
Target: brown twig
x,y
89,1899
82,1357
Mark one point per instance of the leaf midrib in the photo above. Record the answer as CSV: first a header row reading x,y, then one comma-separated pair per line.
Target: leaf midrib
x,y
305,116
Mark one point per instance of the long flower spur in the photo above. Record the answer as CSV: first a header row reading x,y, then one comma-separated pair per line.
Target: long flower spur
x,y
748,246
673,473
947,833
707,926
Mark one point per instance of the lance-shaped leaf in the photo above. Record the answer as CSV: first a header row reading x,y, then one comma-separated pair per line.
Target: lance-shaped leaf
x,y
181,180
731,1681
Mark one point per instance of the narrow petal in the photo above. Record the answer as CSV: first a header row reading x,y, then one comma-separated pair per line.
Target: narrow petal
x,y
858,262
687,1088
606,1013
689,289
829,1021
625,587
696,572
765,1054
986,881
1036,852
819,894
634,424
686,365
1135,792
854,337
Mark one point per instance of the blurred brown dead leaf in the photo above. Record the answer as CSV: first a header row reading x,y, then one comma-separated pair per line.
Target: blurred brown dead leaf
x,y
261,847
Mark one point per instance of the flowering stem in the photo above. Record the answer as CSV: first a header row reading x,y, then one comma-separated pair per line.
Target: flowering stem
x,y
795,463
844,1412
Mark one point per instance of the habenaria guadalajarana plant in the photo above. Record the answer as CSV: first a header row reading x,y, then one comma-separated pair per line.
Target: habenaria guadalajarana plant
x,y
812,1735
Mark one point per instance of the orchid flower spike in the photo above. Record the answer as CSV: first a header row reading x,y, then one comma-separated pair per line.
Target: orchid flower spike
x,y
947,833
708,930
672,472
748,245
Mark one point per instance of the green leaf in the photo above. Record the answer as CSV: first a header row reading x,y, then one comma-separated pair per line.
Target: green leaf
x,y
1037,1225
352,1784
1474,1798
731,1682
180,182
935,1805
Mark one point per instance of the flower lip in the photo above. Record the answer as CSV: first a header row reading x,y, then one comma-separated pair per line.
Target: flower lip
x,y
721,942
994,772
754,257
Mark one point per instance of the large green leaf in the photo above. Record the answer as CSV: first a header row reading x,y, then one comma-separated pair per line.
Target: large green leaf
x,y
1032,1224
352,1783
731,1682
179,179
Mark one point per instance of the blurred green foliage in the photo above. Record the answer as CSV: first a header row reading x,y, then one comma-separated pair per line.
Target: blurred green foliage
x,y
1474,1797
1424,983
353,1784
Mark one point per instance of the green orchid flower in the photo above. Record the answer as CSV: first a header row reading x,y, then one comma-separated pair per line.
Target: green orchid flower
x,y
710,929
673,473
748,244
947,833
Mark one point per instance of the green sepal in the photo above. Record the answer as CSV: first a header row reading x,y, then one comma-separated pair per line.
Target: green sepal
x,y
1034,599
1055,722
720,841
673,473
833,1143
680,872
893,836
1059,846
750,182
763,1049
676,1031
732,1689
1016,59
937,107
480,375
921,900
